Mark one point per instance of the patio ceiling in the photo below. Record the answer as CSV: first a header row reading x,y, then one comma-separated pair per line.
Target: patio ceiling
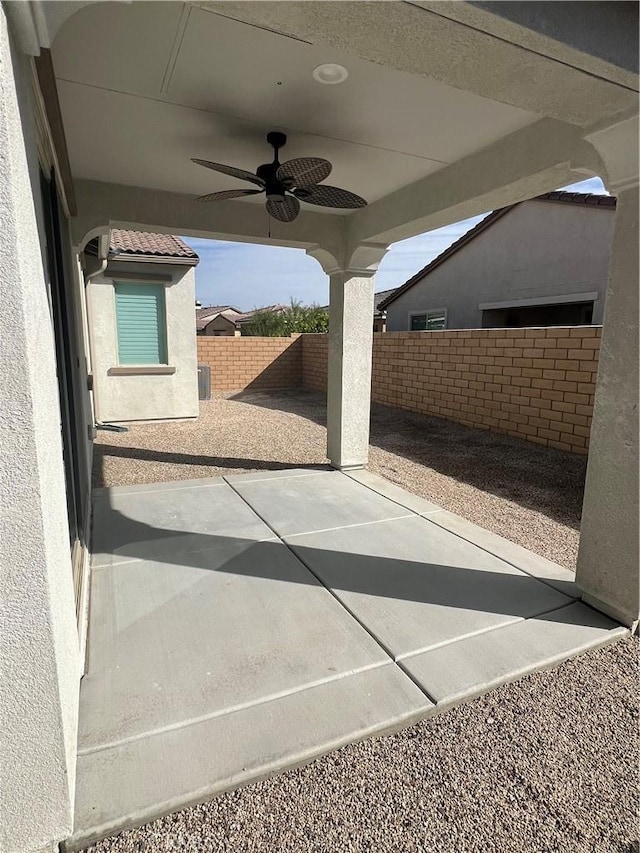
x,y
210,86
449,110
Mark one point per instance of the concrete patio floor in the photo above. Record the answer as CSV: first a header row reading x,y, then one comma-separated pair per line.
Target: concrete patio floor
x,y
243,625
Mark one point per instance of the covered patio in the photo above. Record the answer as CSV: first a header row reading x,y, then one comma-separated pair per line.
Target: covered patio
x,y
242,625
246,624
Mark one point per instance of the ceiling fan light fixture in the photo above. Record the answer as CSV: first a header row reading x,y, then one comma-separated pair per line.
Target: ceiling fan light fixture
x,y
330,73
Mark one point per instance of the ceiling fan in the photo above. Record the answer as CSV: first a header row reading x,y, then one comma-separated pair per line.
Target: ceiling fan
x,y
286,184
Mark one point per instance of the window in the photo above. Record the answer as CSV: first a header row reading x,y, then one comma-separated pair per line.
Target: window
x,y
141,323
428,321
561,314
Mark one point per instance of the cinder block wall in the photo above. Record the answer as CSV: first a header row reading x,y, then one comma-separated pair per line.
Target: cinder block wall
x,y
252,362
315,354
536,384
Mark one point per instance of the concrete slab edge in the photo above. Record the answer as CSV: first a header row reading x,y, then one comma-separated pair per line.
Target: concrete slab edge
x,y
86,839
500,548
283,474
391,491
521,672
613,612
83,840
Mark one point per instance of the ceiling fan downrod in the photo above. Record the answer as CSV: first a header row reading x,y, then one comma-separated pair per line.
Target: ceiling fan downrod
x,y
275,189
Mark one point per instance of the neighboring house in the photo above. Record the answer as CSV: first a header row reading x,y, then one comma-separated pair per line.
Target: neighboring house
x,y
141,320
226,320
217,320
380,316
543,262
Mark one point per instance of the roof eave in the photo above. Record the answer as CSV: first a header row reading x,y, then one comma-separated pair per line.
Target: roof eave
x,y
119,257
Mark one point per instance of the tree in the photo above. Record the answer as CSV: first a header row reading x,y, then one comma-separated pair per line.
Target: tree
x,y
296,318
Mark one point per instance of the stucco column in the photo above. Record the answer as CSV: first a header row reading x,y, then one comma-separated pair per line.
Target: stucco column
x,y
349,374
608,560
39,659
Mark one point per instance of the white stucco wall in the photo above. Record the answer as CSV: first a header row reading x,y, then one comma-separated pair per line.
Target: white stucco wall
x,y
538,249
39,659
144,397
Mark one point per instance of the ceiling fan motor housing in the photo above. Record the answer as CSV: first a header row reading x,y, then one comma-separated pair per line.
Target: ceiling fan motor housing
x,y
275,189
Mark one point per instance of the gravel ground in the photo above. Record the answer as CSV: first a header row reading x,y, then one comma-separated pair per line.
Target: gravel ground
x,y
546,765
529,494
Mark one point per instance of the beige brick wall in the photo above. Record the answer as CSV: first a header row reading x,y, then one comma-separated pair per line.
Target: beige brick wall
x,y
252,362
315,352
536,384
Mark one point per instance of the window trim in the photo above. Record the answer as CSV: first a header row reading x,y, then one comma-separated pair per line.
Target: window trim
x,y
427,312
161,367
142,370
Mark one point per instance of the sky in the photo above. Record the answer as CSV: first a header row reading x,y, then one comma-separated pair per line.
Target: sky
x,y
249,276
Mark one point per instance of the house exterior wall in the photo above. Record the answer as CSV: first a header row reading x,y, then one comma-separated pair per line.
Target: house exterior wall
x,y
536,384
144,397
220,326
39,655
538,249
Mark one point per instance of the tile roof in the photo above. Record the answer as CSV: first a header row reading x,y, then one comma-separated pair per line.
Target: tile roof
x,y
144,243
205,315
380,297
590,199
586,199
268,309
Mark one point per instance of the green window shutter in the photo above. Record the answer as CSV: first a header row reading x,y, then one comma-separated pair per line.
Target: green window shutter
x,y
141,324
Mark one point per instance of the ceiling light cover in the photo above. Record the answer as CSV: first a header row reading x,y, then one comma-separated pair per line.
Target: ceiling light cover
x,y
330,73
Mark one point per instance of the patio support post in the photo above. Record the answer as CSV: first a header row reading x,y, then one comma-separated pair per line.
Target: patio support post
x,y
349,369
607,571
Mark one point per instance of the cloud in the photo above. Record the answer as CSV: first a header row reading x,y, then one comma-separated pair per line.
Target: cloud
x,y
250,276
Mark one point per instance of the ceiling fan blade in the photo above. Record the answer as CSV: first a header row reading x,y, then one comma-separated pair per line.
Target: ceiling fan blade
x,y
304,171
225,194
326,196
284,211
229,170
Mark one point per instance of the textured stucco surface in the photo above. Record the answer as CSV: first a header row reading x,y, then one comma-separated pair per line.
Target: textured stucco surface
x,y
539,249
39,664
608,558
139,398
349,371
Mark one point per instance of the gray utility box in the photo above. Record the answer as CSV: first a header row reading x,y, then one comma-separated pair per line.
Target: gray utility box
x,y
204,382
